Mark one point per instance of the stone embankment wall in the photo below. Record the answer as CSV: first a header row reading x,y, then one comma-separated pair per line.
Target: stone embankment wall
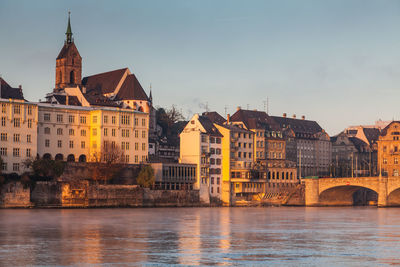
x,y
86,195
14,195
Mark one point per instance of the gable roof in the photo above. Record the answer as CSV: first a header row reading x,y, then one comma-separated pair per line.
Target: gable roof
x,y
358,143
372,134
214,117
209,126
72,100
68,48
384,131
254,119
8,92
131,90
299,126
105,82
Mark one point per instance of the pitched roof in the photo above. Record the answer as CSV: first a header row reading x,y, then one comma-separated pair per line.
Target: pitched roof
x,y
214,117
8,92
254,119
384,131
131,90
299,126
96,99
105,82
372,134
209,126
358,143
68,48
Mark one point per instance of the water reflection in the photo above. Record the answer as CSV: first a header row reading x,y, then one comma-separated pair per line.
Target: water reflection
x,y
200,236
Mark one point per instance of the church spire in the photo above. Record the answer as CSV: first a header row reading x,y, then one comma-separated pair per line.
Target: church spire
x,y
69,31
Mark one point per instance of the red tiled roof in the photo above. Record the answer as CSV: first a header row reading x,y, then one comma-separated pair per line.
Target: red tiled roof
x,y
131,90
214,117
255,119
105,82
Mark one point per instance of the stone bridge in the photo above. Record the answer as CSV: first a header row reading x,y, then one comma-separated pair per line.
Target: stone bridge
x,y
340,191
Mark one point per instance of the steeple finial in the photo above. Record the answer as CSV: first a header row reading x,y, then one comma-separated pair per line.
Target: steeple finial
x,y
150,96
69,31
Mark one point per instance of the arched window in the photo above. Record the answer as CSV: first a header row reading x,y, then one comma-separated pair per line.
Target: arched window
x,y
72,77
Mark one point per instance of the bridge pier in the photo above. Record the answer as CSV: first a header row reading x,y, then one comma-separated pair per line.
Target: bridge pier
x,y
311,191
383,192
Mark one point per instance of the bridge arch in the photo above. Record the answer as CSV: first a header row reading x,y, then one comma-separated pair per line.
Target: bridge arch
x,y
393,198
348,195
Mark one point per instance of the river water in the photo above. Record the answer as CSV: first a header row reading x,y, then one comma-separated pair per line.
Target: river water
x,y
284,236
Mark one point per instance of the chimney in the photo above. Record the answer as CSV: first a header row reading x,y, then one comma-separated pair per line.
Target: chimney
x,y
238,108
66,100
303,117
228,118
294,116
83,90
284,115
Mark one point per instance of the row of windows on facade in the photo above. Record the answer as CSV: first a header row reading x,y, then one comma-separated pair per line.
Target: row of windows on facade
x,y
395,161
213,140
16,167
269,144
265,175
124,145
395,149
71,132
16,152
259,185
213,151
16,122
271,155
16,109
268,134
245,145
175,171
16,137
244,135
244,155
125,119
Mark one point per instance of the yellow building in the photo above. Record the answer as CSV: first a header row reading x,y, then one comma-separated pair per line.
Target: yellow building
x,y
74,133
389,150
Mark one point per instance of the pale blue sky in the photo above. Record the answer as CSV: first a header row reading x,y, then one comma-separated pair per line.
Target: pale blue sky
x,y
336,62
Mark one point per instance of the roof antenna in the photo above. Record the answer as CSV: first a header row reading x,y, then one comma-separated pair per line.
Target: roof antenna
x,y
267,105
226,109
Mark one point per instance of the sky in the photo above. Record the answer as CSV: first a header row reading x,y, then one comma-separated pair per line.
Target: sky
x,y
335,62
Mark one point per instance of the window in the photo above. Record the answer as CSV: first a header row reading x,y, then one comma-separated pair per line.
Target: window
x,y
136,146
17,109
3,108
127,146
28,138
82,119
46,117
94,132
113,132
125,119
71,132
30,110
47,143
125,133
47,130
59,131
4,166
71,119
17,122
218,181
143,134
83,132
28,152
30,123
94,144
212,180
59,118
113,144
396,160
105,119
143,122
136,133
136,121
16,138
126,158
113,119
143,146
16,152
3,151
16,167
218,151
3,121
83,144
71,144
384,161
218,140
218,161
136,159
105,131
94,119
59,143
3,136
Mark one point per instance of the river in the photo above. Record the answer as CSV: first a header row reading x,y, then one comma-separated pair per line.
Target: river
x,y
284,236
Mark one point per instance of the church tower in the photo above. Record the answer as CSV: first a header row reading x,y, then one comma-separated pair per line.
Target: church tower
x,y
68,63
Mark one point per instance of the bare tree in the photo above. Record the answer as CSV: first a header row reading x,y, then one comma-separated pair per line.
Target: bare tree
x,y
108,161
